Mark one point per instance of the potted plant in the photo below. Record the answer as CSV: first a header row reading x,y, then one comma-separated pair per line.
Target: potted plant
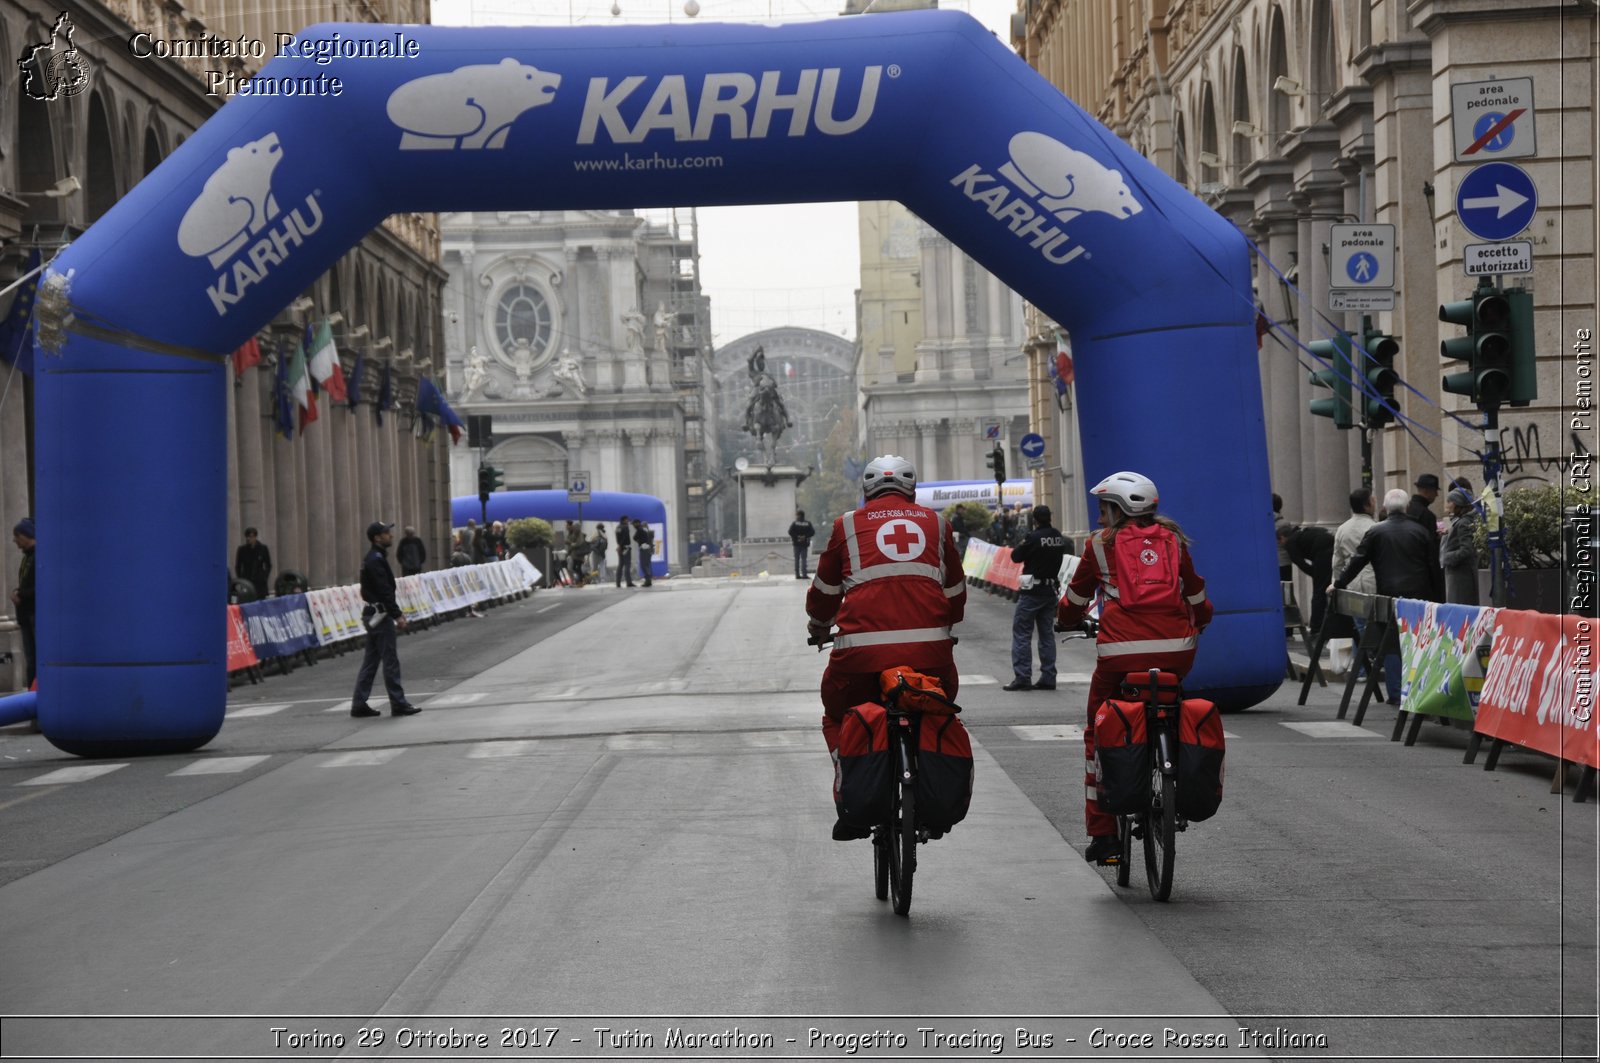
x,y
532,536
1532,525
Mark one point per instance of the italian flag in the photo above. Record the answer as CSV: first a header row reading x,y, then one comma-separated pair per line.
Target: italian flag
x,y
300,386
324,363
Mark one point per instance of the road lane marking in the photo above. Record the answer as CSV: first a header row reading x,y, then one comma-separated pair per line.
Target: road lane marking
x,y
259,710
1330,729
446,700
979,681
546,609
781,739
360,758
1049,732
344,706
79,773
220,765
640,741
506,748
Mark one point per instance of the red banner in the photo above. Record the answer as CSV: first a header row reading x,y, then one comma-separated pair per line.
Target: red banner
x,y
1539,690
1003,571
240,653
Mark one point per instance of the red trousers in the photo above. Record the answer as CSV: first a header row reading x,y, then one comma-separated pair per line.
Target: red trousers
x,y
841,689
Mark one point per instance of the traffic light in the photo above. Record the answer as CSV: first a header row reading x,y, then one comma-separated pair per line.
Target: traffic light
x,y
1381,377
1524,369
490,480
1336,352
997,461
1486,348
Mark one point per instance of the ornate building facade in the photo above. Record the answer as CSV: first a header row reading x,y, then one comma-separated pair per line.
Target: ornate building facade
x,y
65,161
1288,116
582,335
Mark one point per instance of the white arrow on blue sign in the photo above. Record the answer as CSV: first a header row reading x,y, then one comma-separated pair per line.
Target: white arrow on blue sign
x,y
1032,445
1496,201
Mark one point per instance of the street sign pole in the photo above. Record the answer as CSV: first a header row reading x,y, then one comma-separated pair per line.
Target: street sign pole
x,y
1366,426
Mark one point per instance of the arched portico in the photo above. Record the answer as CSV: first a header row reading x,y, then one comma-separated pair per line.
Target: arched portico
x,y
923,107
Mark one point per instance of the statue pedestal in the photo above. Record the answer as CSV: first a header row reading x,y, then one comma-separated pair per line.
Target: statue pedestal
x,y
767,502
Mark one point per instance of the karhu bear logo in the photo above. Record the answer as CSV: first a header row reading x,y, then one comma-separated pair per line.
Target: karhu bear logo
x,y
236,217
470,107
235,203
1044,180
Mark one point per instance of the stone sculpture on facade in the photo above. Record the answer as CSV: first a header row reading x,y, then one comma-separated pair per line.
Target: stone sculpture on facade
x,y
569,371
663,324
766,416
635,323
477,374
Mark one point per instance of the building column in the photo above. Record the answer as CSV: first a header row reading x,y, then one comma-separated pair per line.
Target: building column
x,y
1324,464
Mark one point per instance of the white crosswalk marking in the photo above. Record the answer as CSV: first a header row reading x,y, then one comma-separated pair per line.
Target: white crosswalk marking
x,y
1330,729
344,706
361,758
258,710
782,739
509,748
79,773
446,700
645,741
979,681
1049,732
220,766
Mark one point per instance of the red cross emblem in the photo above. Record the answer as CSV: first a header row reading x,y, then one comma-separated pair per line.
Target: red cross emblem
x,y
1148,556
900,540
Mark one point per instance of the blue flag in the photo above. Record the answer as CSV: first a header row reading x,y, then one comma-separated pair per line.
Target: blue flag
x,y
282,400
16,331
385,393
354,384
430,401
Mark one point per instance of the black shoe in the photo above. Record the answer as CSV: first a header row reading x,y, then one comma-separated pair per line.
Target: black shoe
x,y
849,832
364,710
1104,849
1045,685
1018,684
404,709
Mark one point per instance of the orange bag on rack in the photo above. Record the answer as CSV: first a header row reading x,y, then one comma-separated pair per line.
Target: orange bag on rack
x,y
916,692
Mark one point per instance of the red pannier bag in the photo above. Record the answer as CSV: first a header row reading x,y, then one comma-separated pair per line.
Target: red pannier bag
x,y
1121,758
861,766
1200,750
944,772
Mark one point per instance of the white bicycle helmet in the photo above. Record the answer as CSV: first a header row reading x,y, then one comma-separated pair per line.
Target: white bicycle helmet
x,y
1133,492
889,472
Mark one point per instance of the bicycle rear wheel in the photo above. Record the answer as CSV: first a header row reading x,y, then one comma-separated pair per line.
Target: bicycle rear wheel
x,y
1161,837
901,845
881,835
1125,834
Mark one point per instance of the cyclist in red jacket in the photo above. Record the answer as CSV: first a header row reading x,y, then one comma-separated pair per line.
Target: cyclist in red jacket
x,y
891,579
1153,608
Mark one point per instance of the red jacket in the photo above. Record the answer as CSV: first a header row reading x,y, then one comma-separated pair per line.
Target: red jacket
x,y
1134,641
891,579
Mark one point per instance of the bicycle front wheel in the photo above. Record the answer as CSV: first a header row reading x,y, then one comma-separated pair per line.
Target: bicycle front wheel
x,y
1161,837
901,845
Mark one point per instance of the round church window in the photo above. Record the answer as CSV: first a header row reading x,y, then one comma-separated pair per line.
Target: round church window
x,y
522,320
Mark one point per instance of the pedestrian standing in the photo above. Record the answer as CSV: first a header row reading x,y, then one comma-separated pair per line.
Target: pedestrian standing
x,y
411,553
644,537
800,534
1040,552
597,552
577,550
1420,507
1310,550
383,620
624,552
22,597
1458,554
252,562
1279,521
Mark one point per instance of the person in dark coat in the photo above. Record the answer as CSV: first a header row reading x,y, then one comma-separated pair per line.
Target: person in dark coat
x,y
800,534
252,562
1405,559
624,552
1040,552
1310,550
381,617
22,596
1458,554
1420,508
644,537
411,553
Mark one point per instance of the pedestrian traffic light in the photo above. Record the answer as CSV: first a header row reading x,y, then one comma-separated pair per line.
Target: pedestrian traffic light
x,y
1381,377
997,461
1524,365
490,480
1486,348
1336,353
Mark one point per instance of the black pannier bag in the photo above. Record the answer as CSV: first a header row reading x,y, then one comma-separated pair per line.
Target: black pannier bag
x,y
1121,758
861,766
944,772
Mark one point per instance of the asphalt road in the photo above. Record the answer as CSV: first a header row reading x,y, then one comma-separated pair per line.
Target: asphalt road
x,y
613,813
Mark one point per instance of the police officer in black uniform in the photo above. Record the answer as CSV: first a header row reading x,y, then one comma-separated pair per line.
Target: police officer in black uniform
x,y
381,617
800,534
1040,552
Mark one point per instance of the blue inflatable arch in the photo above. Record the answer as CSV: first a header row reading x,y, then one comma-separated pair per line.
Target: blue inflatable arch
x,y
606,507
927,108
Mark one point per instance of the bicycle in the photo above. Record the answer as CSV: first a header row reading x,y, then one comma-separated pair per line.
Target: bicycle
x,y
895,839
1158,824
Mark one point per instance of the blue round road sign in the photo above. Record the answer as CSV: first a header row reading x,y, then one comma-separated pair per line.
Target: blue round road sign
x,y
1501,140
1032,445
1496,201
1362,267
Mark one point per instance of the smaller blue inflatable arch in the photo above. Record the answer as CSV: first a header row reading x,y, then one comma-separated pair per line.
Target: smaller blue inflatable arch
x,y
606,507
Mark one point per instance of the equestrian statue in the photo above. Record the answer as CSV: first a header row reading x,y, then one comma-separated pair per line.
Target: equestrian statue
x,y
765,417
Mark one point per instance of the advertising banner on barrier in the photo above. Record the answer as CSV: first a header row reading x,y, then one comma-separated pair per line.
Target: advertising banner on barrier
x,y
1443,651
1539,692
976,559
279,627
240,653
